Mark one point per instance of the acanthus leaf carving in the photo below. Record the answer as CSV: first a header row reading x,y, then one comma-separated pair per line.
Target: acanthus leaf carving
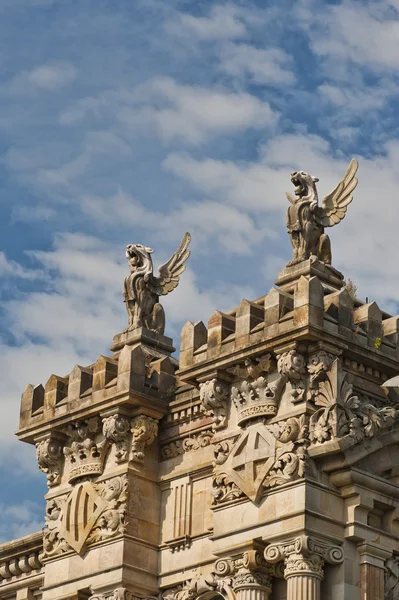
x,y
50,459
344,413
144,431
224,489
214,397
53,541
112,520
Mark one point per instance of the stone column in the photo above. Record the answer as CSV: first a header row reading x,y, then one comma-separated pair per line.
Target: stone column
x,y
372,571
251,575
303,575
304,559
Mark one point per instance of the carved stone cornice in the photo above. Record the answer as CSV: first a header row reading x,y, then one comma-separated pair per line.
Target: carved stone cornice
x,y
304,555
214,395
144,431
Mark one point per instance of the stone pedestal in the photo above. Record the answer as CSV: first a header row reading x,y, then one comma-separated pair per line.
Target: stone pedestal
x,y
330,278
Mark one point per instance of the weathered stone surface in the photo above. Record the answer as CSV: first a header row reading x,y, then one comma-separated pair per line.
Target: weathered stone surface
x,y
262,466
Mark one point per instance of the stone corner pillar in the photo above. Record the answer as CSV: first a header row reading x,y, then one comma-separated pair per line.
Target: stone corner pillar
x,y
372,570
304,558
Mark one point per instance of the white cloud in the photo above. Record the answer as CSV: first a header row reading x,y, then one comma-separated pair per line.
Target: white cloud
x,y
48,77
365,33
195,114
222,23
18,520
270,66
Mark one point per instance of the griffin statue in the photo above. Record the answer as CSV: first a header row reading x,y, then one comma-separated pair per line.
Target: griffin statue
x,y
306,220
142,289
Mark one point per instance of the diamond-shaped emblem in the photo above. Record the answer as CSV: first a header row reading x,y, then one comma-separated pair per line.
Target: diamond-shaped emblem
x,y
82,509
250,460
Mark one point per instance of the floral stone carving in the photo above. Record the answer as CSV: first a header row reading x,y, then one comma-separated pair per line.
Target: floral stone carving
x,y
214,397
343,414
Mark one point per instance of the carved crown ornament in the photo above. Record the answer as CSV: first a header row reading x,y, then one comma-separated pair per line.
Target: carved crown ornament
x,y
81,448
268,454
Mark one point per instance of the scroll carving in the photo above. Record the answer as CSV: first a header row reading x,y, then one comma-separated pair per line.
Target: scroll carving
x,y
144,430
179,447
214,397
116,428
50,459
292,366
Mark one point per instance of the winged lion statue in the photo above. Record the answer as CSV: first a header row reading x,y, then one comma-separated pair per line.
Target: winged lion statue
x,y
142,289
306,219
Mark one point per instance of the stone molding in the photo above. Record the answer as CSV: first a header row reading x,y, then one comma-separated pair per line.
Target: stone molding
x,y
304,555
117,594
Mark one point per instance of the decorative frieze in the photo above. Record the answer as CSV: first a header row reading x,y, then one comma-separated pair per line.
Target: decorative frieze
x,y
214,397
117,594
187,444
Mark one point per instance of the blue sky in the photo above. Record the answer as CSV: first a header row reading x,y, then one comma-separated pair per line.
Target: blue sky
x,y
134,121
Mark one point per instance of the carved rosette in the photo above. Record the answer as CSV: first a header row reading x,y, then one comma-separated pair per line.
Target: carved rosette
x,y
214,397
292,366
116,429
144,431
50,459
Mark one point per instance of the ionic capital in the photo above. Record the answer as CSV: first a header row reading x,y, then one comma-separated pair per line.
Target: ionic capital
x,y
304,555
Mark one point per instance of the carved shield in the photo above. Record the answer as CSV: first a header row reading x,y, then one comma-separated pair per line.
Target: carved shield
x,y
82,509
250,460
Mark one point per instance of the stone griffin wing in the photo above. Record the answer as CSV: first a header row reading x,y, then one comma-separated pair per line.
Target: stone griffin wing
x,y
334,205
169,272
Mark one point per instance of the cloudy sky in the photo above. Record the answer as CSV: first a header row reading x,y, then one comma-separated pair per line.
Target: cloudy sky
x,y
132,121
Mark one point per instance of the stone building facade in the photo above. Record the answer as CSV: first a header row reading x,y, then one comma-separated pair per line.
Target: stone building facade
x,y
261,465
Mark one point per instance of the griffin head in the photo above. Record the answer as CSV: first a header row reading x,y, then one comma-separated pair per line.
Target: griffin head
x,y
304,183
139,258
